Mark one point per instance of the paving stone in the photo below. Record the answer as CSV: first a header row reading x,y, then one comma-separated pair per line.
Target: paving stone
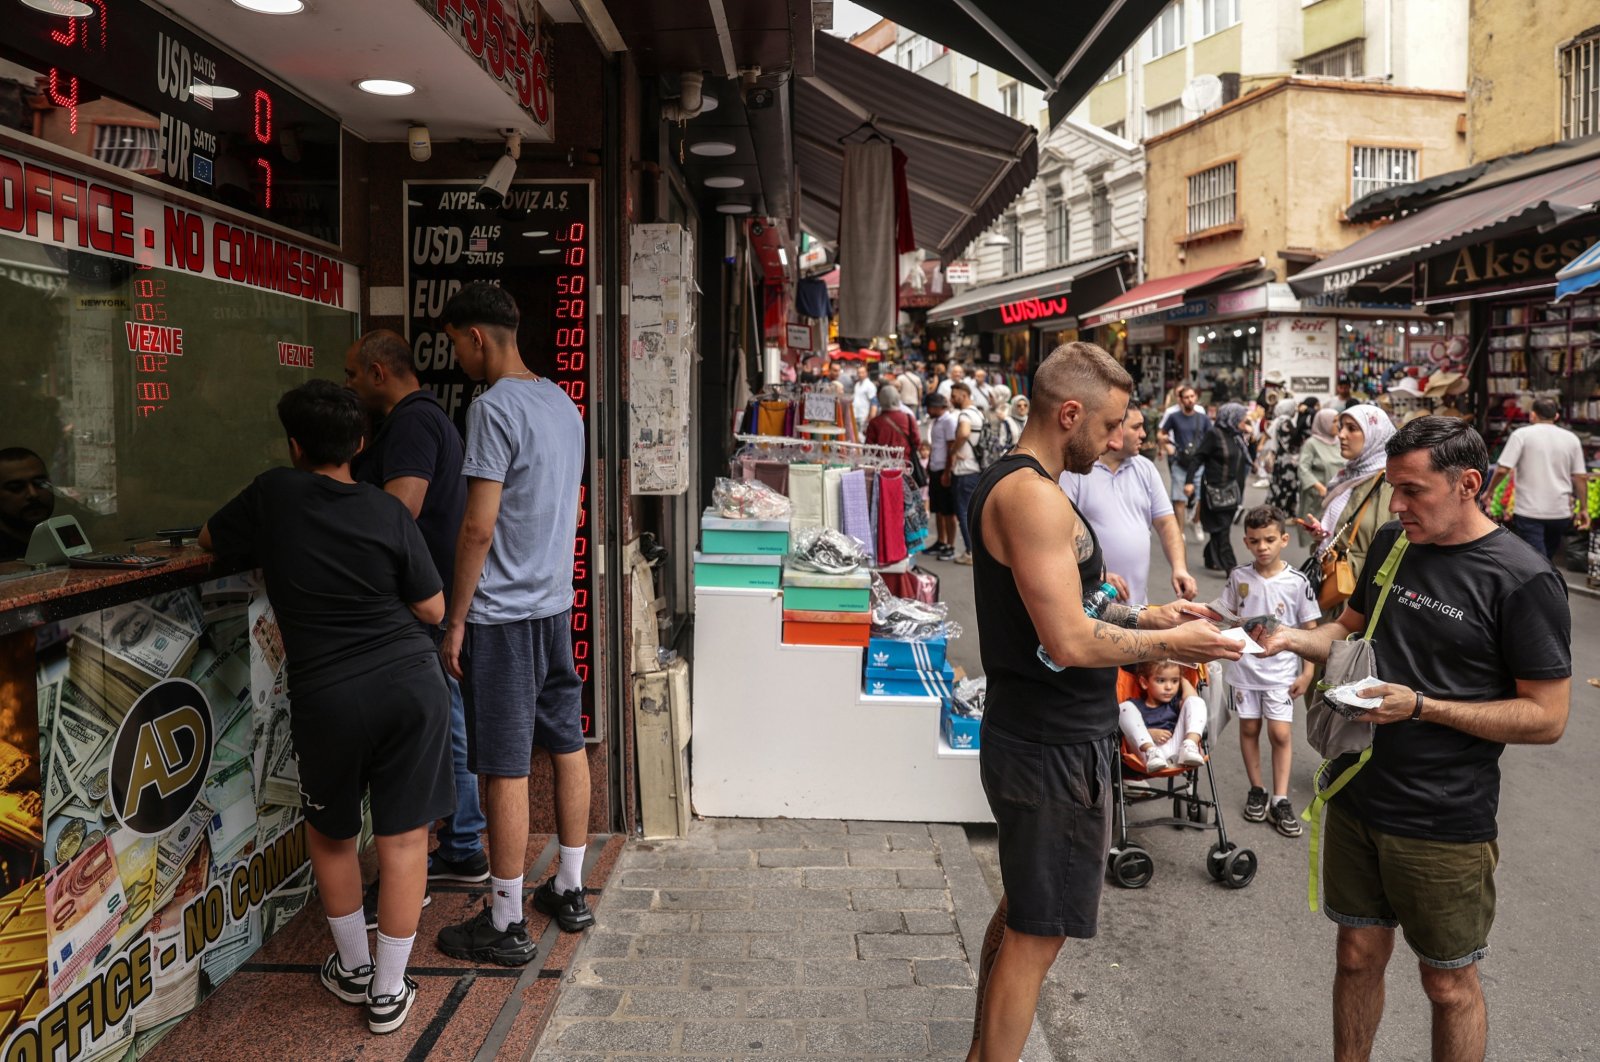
x,y
751,921
657,879
801,857
929,922
944,972
762,878
921,879
747,842
853,878
745,1037
681,1003
704,900
860,826
692,946
740,856
906,946
804,946
802,825
868,1038
586,1002
856,973
911,842
640,858
637,971
619,899
645,922
748,973
608,945
893,899
799,899
850,921
872,857
606,1037
901,1003
950,1038
806,1003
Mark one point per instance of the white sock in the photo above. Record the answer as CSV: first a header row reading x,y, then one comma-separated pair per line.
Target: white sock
x,y
350,937
569,875
393,954
1279,796
506,905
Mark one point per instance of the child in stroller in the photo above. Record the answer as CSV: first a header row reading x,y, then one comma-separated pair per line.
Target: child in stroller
x,y
1165,723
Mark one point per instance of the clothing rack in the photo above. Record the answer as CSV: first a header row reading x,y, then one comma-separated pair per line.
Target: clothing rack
x,y
822,451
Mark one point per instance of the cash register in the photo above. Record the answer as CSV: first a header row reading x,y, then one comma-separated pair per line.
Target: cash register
x,y
60,540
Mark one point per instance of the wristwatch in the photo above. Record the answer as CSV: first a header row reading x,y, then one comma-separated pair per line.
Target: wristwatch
x,y
1416,713
1131,620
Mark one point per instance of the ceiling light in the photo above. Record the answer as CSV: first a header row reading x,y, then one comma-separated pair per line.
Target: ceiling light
x,y
1413,329
1211,335
213,92
1202,341
783,257
1252,329
60,8
1380,322
733,208
712,148
272,7
537,232
1349,328
1237,332
379,86
724,182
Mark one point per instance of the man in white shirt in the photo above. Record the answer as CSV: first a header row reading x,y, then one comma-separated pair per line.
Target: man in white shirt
x,y
910,385
941,495
865,397
982,392
1123,498
961,464
1551,486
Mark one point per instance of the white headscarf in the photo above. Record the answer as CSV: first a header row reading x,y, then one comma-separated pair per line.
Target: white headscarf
x,y
1377,429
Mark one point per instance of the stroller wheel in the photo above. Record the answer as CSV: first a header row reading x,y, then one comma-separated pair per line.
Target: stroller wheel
x,y
1216,858
1132,868
1239,868
1197,813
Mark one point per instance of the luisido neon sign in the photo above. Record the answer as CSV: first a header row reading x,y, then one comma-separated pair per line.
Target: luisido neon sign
x,y
1033,310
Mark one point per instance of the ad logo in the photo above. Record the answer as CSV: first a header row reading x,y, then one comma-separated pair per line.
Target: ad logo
x,y
161,756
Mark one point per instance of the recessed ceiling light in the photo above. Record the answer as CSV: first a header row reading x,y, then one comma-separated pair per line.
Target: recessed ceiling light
x,y
536,232
733,208
61,8
379,86
271,7
213,92
712,148
724,182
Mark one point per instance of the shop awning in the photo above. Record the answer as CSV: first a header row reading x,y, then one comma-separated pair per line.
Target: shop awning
x,y
1580,274
1154,296
965,162
1064,53
1539,202
1048,284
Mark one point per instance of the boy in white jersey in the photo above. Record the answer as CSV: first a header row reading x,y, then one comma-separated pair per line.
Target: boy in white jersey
x,y
1268,685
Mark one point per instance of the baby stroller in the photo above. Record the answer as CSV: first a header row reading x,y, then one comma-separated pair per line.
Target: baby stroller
x,y
1130,865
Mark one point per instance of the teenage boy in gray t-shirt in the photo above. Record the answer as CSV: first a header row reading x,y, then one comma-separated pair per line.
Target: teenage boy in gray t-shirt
x,y
508,634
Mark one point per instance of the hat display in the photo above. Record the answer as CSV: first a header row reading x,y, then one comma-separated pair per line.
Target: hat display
x,y
1445,383
1406,385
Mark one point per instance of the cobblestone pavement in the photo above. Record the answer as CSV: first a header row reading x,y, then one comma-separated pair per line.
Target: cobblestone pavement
x,y
779,939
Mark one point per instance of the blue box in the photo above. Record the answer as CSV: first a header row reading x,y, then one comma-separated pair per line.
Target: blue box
x,y
902,682
960,731
895,652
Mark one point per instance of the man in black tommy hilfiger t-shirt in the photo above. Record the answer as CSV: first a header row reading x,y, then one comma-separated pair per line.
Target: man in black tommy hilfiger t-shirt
x,y
1475,649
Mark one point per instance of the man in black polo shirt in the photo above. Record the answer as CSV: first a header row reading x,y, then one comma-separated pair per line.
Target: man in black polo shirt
x,y
1475,650
416,456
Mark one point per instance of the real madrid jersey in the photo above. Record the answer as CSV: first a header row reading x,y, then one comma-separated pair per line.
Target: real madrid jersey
x,y
1286,596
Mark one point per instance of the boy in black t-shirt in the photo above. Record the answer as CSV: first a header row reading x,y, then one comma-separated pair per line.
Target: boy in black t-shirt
x,y
1474,651
349,579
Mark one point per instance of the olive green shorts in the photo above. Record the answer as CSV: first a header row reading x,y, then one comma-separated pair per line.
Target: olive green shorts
x,y
1440,893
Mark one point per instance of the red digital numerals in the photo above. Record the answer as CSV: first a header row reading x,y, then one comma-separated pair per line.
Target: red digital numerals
x,y
263,131
572,376
150,388
497,38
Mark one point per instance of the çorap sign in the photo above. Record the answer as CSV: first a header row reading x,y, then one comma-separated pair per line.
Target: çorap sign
x,y
160,757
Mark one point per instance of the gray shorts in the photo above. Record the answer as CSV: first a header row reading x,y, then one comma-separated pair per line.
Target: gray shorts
x,y
520,690
1180,477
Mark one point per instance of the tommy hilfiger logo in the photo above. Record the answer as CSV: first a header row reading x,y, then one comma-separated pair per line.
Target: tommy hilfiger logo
x,y
1421,602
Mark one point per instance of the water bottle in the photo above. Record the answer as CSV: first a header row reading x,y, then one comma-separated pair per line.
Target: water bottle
x,y
1094,606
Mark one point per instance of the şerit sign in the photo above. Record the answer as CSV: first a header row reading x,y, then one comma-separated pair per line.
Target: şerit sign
x,y
1501,263
1034,309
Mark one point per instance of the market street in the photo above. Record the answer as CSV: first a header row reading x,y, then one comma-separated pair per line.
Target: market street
x,y
1184,969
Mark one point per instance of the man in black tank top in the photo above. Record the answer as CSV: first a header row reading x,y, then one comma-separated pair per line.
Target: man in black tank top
x,y
1049,730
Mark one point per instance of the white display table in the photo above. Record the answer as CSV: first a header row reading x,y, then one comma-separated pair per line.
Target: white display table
x,y
784,730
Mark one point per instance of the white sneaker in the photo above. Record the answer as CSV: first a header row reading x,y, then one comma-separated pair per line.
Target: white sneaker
x,y
1154,761
1199,533
1262,482
1189,755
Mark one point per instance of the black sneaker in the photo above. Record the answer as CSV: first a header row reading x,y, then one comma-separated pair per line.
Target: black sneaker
x,y
569,909
477,940
347,985
468,871
385,1014
1255,804
369,905
1284,818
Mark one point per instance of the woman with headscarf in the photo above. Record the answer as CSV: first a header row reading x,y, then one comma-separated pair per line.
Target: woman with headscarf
x,y
1283,482
893,426
1357,500
1226,460
1013,419
1320,461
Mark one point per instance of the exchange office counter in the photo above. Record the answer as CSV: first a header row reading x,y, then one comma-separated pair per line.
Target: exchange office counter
x,y
150,831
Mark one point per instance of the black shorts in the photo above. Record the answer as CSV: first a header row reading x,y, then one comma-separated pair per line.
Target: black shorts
x,y
520,689
1052,804
387,730
941,498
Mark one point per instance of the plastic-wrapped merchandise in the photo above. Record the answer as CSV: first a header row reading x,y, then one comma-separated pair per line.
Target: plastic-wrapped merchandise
x,y
903,618
749,500
822,549
969,697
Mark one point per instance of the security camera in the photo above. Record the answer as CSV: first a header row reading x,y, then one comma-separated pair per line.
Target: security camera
x,y
420,142
497,186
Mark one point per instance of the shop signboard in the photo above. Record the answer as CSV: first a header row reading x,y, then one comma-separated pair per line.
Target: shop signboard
x,y
1250,300
958,272
1145,331
543,255
1023,311
506,39
799,336
1303,352
1190,309
151,838
1495,265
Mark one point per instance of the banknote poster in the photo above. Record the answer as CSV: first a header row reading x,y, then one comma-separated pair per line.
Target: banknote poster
x,y
150,830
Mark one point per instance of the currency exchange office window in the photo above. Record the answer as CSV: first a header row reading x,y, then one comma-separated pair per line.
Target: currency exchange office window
x,y
149,394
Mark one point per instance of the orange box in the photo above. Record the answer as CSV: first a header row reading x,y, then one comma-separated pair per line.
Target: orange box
x,y
852,634
802,615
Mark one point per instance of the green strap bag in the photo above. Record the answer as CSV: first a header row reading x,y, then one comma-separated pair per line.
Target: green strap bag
x,y
1332,734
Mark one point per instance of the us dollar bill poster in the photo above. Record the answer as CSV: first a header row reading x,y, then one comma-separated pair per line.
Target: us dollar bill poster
x,y
150,830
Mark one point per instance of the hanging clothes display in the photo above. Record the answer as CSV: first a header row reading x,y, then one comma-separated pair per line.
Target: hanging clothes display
x,y
855,515
891,544
868,260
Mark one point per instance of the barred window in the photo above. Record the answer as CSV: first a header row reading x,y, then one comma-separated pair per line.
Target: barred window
x,y
1158,120
128,147
1056,231
1345,60
1013,252
1372,168
1213,199
1580,87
